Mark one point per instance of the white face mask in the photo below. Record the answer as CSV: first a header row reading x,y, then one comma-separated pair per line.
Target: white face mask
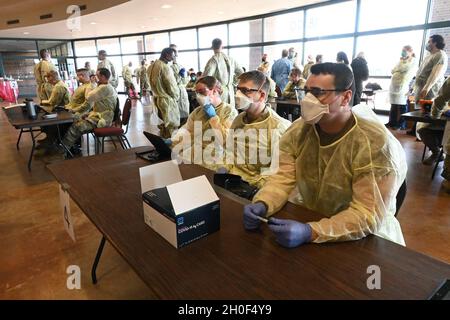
x,y
242,101
203,100
312,109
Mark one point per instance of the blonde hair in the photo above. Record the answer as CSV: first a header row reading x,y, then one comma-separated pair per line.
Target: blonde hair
x,y
410,49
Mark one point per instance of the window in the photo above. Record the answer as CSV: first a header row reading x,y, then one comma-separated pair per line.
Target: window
x,y
248,58
439,11
246,32
333,19
132,44
85,48
188,60
81,62
205,55
274,52
208,34
284,27
445,32
383,14
382,58
111,46
329,48
152,57
156,42
185,39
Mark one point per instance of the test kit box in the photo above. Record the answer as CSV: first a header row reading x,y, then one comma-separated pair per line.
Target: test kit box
x,y
181,211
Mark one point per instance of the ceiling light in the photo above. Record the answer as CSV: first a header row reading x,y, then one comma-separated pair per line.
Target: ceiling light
x,y
93,22
166,6
25,33
220,12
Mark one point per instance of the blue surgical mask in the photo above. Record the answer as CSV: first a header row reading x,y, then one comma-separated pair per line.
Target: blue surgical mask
x,y
404,54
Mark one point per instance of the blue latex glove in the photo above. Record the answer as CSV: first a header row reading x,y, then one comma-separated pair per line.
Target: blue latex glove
x,y
290,233
251,211
209,110
168,141
222,170
447,113
182,72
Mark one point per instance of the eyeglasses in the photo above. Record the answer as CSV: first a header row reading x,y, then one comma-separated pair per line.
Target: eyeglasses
x,y
246,91
318,92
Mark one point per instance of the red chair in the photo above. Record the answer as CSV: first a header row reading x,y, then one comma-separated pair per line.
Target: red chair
x,y
116,131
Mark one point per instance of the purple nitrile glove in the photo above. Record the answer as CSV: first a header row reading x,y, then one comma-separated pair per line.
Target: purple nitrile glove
x,y
251,212
290,233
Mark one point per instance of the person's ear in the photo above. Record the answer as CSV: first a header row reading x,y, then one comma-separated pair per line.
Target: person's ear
x,y
347,98
263,96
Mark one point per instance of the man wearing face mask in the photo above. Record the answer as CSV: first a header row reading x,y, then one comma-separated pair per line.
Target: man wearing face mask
x,y
78,104
165,92
345,164
212,113
256,117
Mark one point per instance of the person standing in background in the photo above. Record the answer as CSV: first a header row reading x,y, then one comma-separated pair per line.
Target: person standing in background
x,y
307,68
44,88
127,76
361,74
105,63
402,75
281,70
142,78
180,76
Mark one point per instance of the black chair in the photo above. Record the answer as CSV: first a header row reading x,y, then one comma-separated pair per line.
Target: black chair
x,y
401,194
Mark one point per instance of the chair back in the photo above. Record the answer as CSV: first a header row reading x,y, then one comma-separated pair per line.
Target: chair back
x,y
126,112
117,114
401,194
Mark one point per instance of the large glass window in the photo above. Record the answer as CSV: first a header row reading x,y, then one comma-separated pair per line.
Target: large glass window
x,y
132,44
333,19
156,42
284,27
111,46
383,14
82,61
152,57
274,52
444,32
248,57
382,58
208,34
245,32
205,55
185,39
85,48
329,48
188,60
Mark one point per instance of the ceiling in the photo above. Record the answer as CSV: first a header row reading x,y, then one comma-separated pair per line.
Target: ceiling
x,y
138,16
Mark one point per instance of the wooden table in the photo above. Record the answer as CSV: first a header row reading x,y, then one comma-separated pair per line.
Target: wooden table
x,y
289,109
419,116
20,120
233,263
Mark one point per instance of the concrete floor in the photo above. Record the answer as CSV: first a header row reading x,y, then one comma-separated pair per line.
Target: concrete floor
x,y
36,251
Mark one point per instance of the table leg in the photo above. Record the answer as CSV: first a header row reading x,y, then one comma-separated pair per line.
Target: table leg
x,y
18,139
97,259
62,144
32,149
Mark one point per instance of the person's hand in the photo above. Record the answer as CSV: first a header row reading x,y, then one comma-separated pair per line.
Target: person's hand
x,y
423,94
251,212
447,113
209,110
222,170
182,72
290,233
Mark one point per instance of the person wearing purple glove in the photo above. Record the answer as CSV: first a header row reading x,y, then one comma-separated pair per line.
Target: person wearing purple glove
x,y
290,233
252,213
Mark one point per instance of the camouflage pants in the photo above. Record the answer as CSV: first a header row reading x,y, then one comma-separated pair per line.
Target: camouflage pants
x,y
76,130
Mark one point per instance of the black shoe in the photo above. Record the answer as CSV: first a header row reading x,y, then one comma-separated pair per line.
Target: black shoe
x,y
75,150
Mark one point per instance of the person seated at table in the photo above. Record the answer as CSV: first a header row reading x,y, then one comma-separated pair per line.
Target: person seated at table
x,y
432,134
213,114
78,103
192,81
60,93
295,81
103,100
256,131
345,164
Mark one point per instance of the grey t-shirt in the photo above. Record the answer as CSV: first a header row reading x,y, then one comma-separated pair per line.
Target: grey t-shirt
x,y
428,64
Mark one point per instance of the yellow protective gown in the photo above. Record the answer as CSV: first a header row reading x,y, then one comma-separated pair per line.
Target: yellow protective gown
x,y
353,181
143,79
60,97
114,79
183,101
272,91
77,102
224,69
238,158
225,114
127,75
289,90
44,89
103,100
166,94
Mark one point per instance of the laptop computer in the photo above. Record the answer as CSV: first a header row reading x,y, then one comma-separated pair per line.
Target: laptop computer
x,y
160,153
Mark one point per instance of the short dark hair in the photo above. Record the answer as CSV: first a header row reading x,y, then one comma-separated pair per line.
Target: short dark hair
x,y
438,40
216,43
343,76
258,78
105,72
43,52
319,57
284,53
342,56
296,71
211,83
102,52
167,52
82,70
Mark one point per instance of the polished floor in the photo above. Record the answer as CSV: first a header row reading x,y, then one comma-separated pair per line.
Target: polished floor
x,y
36,251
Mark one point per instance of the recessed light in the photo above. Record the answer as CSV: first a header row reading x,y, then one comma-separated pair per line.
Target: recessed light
x,y
26,33
143,27
93,22
166,6
220,12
